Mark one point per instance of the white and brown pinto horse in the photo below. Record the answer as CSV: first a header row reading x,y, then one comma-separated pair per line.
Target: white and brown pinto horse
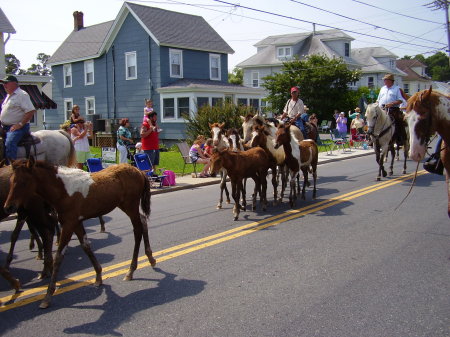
x,y
77,195
429,112
381,128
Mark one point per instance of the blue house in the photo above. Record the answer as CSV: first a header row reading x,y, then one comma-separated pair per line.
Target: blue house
x,y
109,69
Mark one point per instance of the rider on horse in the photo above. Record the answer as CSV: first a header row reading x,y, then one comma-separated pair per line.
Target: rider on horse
x,y
390,98
17,111
293,110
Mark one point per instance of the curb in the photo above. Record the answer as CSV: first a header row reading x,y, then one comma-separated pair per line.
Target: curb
x,y
217,181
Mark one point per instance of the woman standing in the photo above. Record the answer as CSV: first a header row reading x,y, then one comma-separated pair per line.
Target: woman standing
x,y
79,134
123,139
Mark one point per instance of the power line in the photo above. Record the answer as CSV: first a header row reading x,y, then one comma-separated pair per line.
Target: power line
x,y
363,22
315,23
407,16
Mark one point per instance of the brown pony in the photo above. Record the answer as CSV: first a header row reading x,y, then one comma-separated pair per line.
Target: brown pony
x,y
253,163
220,142
428,112
292,153
309,158
78,195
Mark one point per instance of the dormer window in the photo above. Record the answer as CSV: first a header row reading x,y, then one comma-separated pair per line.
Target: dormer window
x,y
284,53
392,64
347,49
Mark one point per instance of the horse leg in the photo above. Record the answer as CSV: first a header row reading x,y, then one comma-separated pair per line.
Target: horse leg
x,y
35,237
15,284
314,173
405,155
236,195
14,236
102,224
243,191
274,185
148,250
257,190
391,167
263,193
138,232
86,245
223,186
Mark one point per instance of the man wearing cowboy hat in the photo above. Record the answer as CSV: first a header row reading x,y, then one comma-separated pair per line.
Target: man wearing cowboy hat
x,y
390,98
294,108
17,111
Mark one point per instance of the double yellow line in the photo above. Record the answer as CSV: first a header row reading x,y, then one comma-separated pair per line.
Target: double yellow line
x,y
37,294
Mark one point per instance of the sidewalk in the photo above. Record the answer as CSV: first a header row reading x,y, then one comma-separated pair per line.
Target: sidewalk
x,y
186,181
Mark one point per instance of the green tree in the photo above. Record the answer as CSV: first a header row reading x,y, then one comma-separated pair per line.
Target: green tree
x,y
236,77
40,68
12,65
323,84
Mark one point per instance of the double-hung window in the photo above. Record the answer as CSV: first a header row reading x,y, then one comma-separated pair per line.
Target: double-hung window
x,y
284,53
90,105
214,67
89,72
255,79
68,105
67,70
131,65
176,63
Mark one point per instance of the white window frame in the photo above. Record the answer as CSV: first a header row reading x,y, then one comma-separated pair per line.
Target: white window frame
x,y
86,104
128,57
282,53
68,101
369,84
255,79
88,68
406,88
177,116
67,72
178,52
212,58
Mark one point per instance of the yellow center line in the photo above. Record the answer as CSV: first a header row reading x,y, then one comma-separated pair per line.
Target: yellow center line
x,y
26,297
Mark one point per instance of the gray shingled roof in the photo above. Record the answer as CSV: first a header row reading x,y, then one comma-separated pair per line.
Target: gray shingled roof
x,y
180,30
313,44
82,44
192,84
367,57
169,28
5,25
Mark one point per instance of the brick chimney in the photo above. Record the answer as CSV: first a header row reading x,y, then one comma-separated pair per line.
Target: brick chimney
x,y
77,21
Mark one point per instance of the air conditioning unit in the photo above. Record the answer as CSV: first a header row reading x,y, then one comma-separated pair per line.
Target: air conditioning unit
x,y
97,123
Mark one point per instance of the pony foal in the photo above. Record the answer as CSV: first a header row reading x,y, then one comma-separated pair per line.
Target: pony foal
x,y
76,195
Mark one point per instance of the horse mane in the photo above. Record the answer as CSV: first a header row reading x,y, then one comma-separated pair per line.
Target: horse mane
x,y
248,117
420,101
28,163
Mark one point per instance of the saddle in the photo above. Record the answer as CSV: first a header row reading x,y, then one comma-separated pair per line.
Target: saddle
x,y
28,140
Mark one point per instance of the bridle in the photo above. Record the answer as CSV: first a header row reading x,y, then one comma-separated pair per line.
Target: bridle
x,y
384,129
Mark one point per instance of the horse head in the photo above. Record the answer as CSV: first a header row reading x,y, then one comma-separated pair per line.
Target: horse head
x,y
283,135
373,112
217,134
259,136
22,184
419,114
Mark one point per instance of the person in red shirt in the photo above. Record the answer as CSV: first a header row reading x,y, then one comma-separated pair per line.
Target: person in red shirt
x,y
150,138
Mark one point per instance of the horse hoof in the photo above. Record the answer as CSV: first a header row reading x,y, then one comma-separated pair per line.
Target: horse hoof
x,y
219,207
235,218
404,171
128,277
152,262
228,202
16,285
44,305
378,178
384,174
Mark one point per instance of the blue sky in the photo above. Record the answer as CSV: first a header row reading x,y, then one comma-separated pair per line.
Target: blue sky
x,y
41,26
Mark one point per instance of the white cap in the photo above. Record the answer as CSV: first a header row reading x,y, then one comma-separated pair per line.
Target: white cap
x,y
138,145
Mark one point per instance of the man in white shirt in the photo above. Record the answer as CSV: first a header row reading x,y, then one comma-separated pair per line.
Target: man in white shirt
x,y
390,98
17,111
294,108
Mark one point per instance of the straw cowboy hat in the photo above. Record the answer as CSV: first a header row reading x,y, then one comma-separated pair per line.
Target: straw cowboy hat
x,y
357,109
388,77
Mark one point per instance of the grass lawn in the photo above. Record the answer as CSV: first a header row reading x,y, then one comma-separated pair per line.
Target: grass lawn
x,y
172,161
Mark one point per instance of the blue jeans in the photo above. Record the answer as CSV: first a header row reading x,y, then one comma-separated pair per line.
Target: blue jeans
x,y
154,156
13,138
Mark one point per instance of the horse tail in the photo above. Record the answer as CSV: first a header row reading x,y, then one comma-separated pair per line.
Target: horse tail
x,y
145,197
72,159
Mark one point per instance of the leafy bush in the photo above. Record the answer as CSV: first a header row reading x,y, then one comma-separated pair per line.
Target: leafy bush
x,y
227,113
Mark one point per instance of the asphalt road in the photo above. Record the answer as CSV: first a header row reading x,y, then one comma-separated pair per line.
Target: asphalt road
x,y
346,264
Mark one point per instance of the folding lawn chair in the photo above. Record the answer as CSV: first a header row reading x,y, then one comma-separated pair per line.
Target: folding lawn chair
x,y
94,164
339,141
144,164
